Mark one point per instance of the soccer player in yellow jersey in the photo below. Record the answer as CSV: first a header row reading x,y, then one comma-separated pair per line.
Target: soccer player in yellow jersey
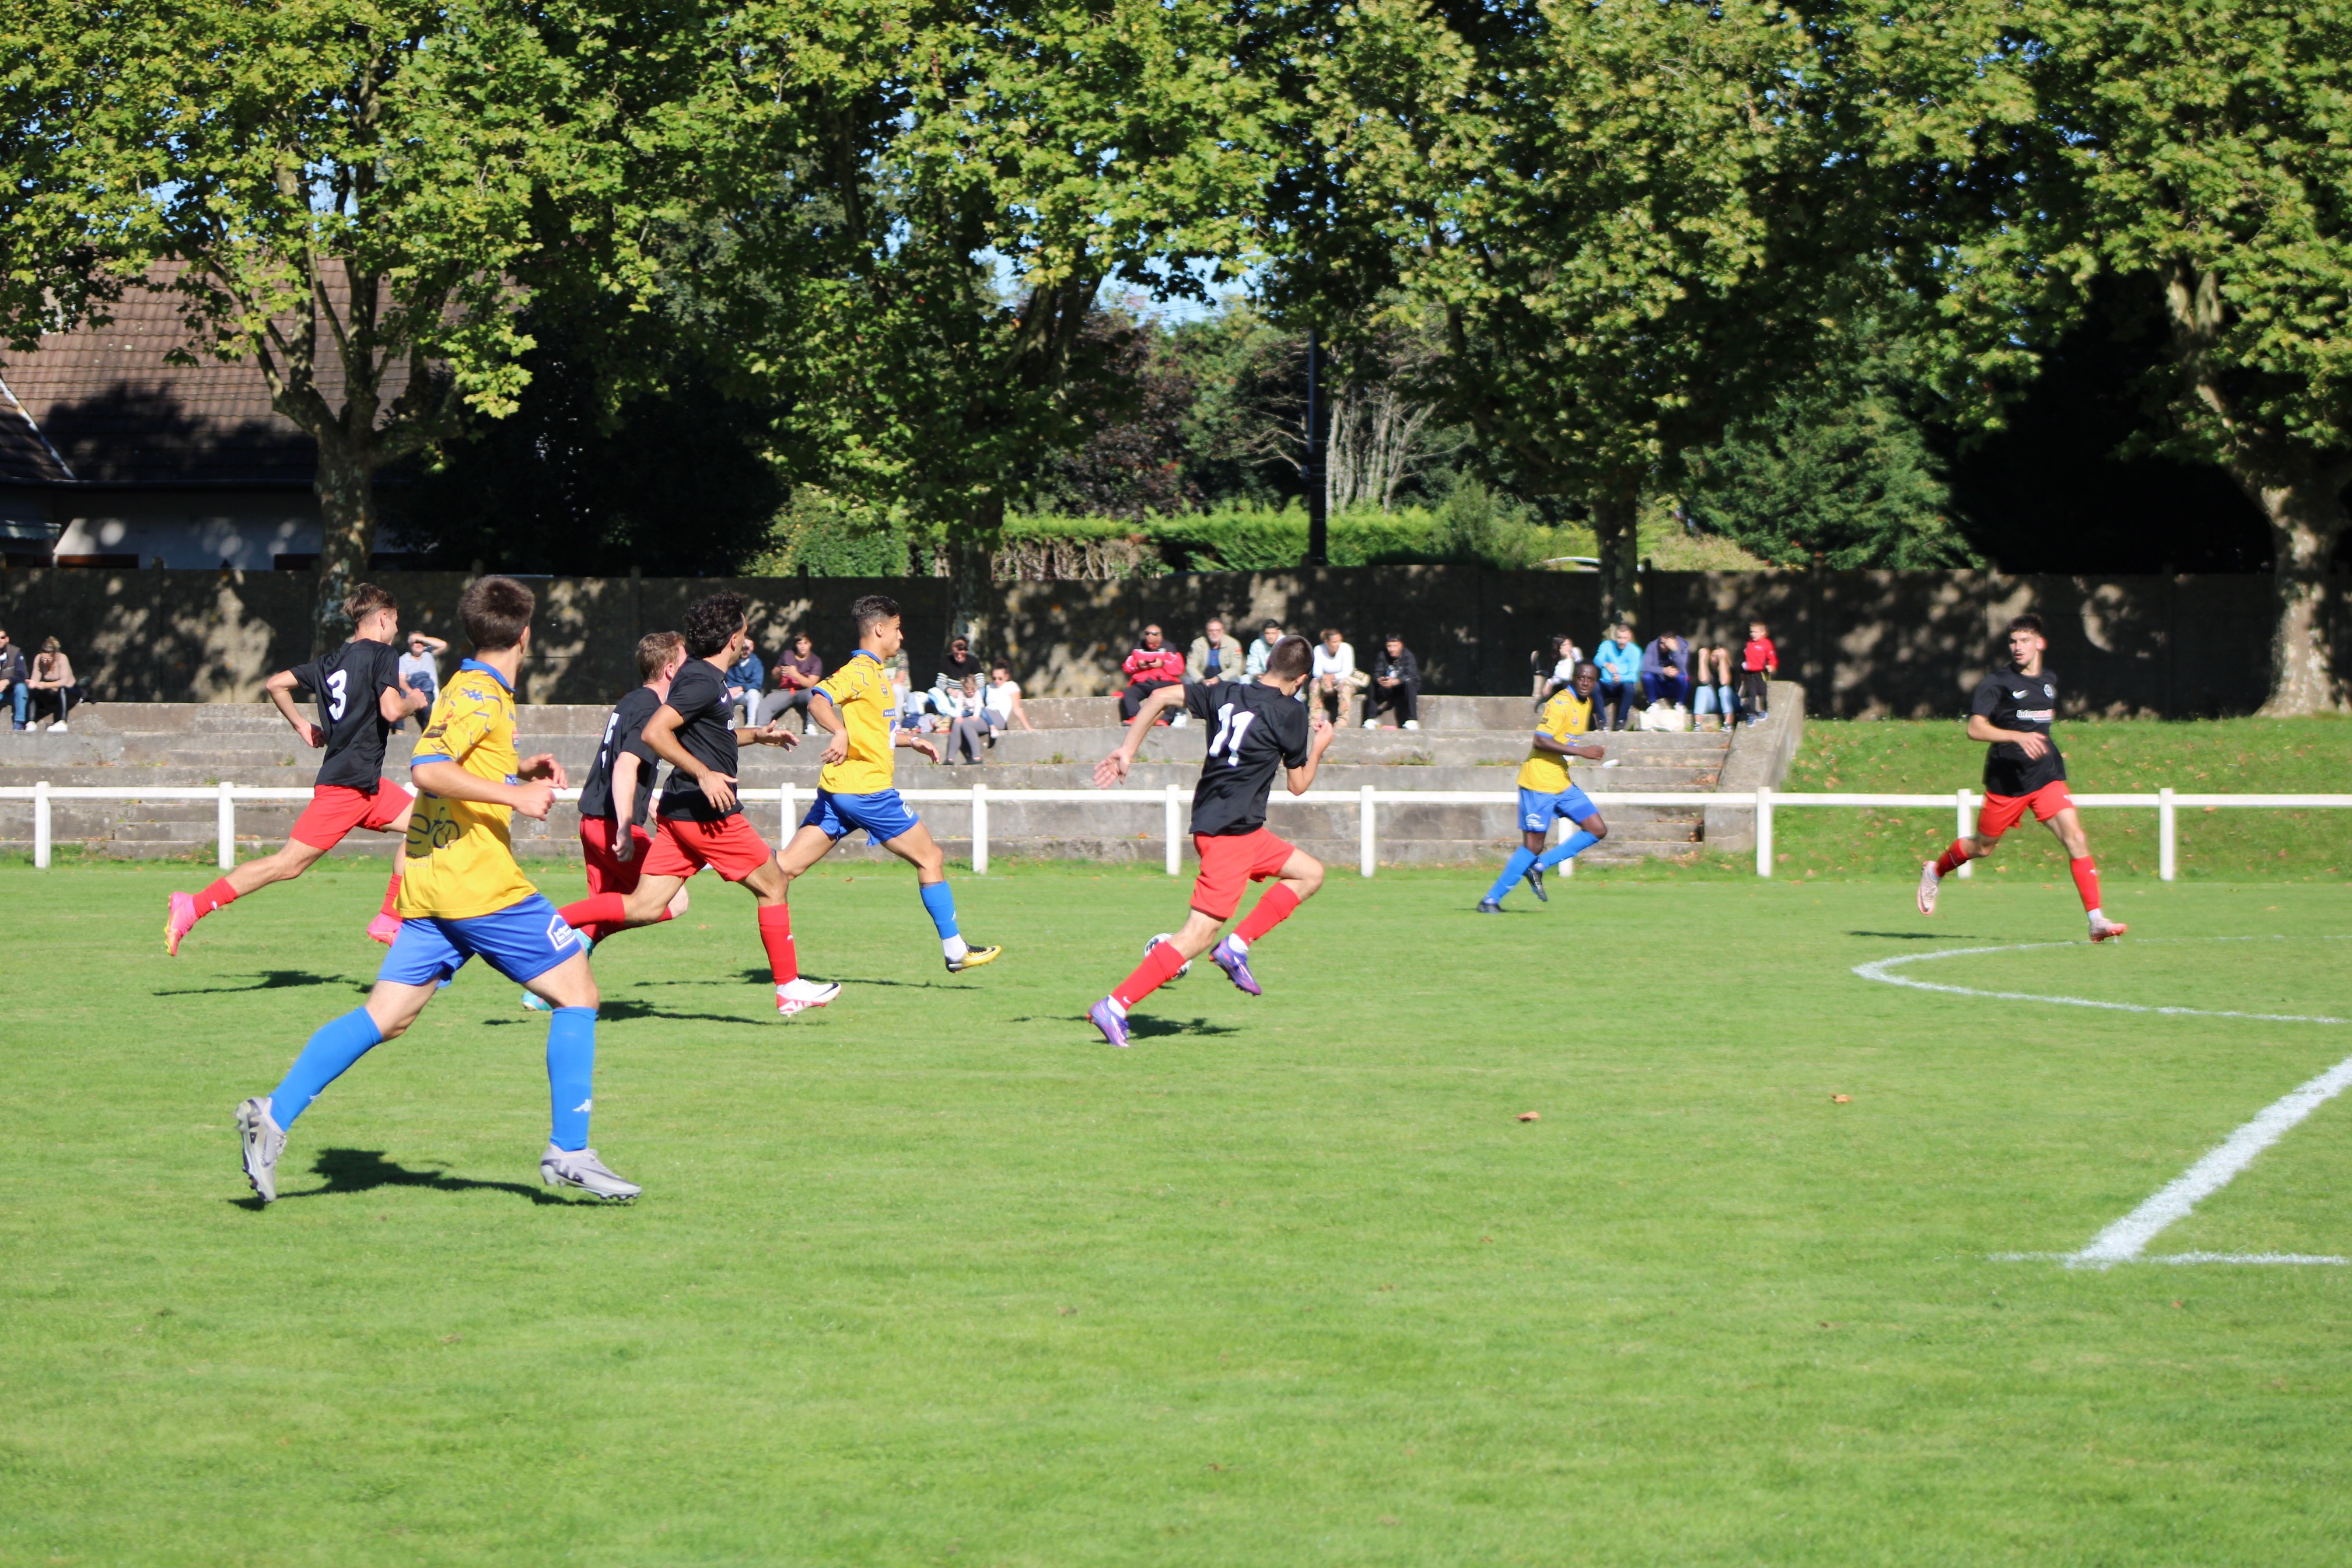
x,y
461,894
1546,794
856,789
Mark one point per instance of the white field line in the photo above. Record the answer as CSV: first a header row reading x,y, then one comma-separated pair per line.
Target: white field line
x,y
2127,1240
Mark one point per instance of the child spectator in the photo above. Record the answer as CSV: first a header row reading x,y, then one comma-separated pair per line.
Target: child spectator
x,y
1759,661
969,733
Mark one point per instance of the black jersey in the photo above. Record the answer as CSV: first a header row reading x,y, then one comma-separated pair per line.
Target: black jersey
x,y
349,684
1253,730
624,732
2026,702
699,696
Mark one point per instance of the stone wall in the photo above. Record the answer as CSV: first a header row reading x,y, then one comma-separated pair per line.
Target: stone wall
x,y
1861,643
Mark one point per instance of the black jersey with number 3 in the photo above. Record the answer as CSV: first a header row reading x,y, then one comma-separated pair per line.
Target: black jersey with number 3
x,y
1252,731
624,732
699,694
2026,702
349,684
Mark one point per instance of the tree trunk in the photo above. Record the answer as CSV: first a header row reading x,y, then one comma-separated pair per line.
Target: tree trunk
x,y
1616,521
2305,509
344,482
971,581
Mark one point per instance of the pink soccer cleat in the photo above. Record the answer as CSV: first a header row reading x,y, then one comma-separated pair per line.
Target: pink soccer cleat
x,y
179,919
2104,929
384,929
795,996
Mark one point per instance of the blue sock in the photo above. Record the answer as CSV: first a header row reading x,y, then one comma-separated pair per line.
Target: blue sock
x,y
941,903
327,1058
570,1074
1569,848
1512,870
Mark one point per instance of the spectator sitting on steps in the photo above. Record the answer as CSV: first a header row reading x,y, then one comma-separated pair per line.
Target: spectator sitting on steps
x,y
969,733
1619,664
1004,698
1396,683
796,675
1263,650
1215,657
420,670
1666,672
1554,665
13,676
1712,667
1335,677
744,679
52,685
958,662
1148,669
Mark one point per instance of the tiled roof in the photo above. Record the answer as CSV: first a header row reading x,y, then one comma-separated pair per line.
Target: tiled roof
x,y
116,412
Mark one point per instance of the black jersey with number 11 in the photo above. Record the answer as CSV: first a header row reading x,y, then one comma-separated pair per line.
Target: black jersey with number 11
x,y
1253,730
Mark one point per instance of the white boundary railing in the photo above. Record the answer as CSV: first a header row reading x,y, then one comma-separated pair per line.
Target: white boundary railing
x,y
1172,802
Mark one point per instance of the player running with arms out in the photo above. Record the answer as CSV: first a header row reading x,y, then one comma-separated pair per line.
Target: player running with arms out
x,y
614,795
2011,713
700,821
1546,794
462,895
360,700
857,788
1255,730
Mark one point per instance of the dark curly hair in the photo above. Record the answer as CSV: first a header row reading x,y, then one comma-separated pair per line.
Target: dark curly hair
x,y
872,611
711,624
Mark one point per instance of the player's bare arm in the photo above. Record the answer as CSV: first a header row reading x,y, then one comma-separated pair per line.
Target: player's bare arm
x,y
661,734
837,728
544,766
625,805
768,735
1112,769
280,687
1300,780
1591,753
534,798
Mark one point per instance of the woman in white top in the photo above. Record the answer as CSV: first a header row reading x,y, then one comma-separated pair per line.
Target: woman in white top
x,y
52,685
1003,702
1334,677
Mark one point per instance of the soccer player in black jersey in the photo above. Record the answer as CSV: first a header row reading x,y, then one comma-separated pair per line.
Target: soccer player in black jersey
x,y
1253,731
360,700
2011,713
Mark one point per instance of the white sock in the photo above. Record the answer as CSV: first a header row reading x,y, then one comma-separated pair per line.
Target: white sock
x,y
1116,1011
2097,915
955,946
1240,946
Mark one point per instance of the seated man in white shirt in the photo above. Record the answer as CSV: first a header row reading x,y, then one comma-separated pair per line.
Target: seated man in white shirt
x,y
1335,677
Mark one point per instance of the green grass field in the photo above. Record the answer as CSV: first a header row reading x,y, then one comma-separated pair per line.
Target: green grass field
x,y
934,1277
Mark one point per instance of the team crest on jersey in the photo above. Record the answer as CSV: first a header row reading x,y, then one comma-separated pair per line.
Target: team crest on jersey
x,y
2049,690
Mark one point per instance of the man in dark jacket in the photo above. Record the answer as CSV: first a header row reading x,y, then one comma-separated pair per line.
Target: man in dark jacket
x,y
13,677
1396,683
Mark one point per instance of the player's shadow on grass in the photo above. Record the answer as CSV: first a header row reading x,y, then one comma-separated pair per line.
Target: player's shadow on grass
x,y
342,1172
1146,1028
1913,935
270,980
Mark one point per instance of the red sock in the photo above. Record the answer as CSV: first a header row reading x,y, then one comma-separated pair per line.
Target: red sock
x,y
391,896
776,936
1954,858
2086,881
1158,968
595,913
1272,910
219,895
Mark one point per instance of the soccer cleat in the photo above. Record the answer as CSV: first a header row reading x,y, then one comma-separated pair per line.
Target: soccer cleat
x,y
1234,962
1107,1018
384,929
973,958
1930,885
264,1142
1535,881
2103,928
581,1168
799,995
179,919
1490,907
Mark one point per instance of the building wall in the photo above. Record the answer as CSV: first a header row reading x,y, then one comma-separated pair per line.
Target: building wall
x,y
189,530
1862,644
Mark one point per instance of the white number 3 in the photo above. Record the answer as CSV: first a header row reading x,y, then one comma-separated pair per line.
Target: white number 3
x,y
338,685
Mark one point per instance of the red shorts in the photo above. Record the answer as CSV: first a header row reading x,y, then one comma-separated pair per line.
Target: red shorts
x,y
606,872
335,809
730,847
2001,813
1229,860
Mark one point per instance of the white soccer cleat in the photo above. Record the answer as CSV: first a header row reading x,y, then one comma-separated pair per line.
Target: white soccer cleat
x,y
2105,929
264,1142
1930,885
799,995
581,1168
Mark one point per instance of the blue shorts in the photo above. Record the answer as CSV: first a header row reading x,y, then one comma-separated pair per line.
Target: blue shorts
x,y
882,813
1538,810
521,941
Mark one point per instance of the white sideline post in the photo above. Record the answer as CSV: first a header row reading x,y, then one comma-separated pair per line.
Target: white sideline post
x,y
1561,828
1763,830
1175,823
1962,824
1367,846
41,826
784,815
2166,824
227,826
980,830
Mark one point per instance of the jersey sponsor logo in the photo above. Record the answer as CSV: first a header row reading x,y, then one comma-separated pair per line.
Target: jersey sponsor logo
x,y
2037,715
561,936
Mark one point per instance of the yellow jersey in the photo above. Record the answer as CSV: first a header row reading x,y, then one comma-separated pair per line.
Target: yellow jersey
x,y
458,861
861,690
1566,716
